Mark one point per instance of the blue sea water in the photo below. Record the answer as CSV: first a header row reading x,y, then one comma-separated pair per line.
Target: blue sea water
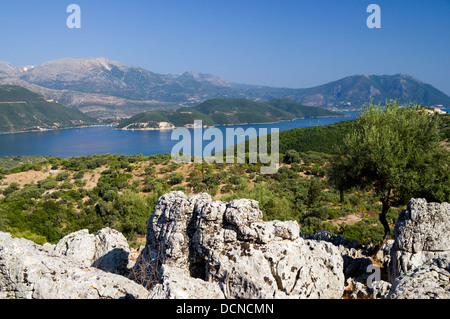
x,y
104,140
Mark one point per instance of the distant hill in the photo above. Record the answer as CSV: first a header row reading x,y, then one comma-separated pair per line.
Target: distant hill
x,y
164,119
22,110
354,91
109,89
227,111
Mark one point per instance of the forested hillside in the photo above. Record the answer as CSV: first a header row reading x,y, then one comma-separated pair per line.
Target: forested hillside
x,y
228,111
23,110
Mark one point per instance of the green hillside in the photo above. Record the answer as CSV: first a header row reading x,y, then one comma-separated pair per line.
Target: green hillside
x,y
326,138
22,110
241,111
179,117
228,111
322,139
299,110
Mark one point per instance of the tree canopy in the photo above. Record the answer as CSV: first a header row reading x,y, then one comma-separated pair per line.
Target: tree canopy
x,y
397,152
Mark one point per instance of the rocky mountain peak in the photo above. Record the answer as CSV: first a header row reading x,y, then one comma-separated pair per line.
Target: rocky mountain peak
x,y
202,77
114,80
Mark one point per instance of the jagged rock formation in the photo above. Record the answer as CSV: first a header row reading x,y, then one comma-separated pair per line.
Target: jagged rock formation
x,y
377,290
428,281
30,271
419,264
422,232
355,256
197,248
357,263
229,246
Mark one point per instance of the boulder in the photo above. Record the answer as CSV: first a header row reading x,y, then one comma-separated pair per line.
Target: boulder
x,y
355,256
377,290
177,285
112,251
80,246
428,281
107,250
422,232
228,245
30,271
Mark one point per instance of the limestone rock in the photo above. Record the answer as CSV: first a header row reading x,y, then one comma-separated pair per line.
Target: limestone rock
x,y
177,285
112,251
355,256
377,290
80,246
428,281
422,232
229,245
30,271
107,250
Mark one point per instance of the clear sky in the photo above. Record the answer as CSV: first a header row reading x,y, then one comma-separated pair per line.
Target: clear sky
x,y
282,43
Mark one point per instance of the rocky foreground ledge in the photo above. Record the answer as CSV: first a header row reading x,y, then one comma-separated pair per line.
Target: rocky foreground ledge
x,y
199,248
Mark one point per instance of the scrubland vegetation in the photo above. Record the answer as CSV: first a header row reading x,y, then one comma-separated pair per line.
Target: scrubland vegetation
x,y
46,198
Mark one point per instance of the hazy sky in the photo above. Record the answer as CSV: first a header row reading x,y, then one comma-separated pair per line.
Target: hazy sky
x,y
278,43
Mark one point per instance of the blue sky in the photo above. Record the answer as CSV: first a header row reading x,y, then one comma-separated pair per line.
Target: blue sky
x,y
283,43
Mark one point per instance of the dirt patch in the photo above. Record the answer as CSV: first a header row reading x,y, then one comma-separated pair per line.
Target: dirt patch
x,y
28,177
349,220
24,178
92,177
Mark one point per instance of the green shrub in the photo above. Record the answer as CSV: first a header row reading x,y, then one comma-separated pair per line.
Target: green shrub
x,y
66,185
80,183
291,156
363,231
62,176
48,183
78,175
176,178
11,189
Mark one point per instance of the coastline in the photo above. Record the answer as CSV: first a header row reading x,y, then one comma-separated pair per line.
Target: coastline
x,y
164,128
230,124
56,129
103,139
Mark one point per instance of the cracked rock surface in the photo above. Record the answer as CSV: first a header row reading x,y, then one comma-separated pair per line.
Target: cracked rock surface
x,y
30,271
428,281
230,247
422,232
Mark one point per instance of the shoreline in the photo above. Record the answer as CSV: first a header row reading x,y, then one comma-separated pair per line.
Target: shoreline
x,y
91,146
56,129
164,129
233,124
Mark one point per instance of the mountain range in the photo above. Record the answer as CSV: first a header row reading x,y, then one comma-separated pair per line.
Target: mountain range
x,y
104,88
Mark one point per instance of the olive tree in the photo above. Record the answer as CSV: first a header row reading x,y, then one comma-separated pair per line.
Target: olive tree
x,y
396,152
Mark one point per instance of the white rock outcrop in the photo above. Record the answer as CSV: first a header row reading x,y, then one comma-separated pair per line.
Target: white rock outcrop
x,y
177,285
199,248
107,250
422,232
30,271
228,246
428,281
